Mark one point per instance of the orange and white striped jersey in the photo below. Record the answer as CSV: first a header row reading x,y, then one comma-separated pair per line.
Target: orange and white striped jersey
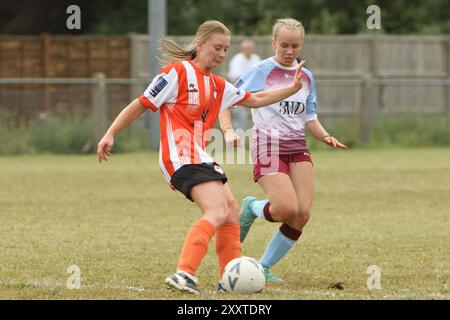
x,y
189,101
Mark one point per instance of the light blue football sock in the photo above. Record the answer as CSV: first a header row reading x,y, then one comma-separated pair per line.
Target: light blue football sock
x,y
257,208
277,248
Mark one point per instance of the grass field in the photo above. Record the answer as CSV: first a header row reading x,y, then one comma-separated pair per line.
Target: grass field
x,y
122,225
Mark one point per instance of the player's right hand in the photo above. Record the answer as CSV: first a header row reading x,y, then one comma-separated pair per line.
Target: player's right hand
x,y
104,147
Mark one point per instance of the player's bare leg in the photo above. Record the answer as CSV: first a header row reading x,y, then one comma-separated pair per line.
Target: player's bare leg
x,y
211,199
273,209
303,181
281,195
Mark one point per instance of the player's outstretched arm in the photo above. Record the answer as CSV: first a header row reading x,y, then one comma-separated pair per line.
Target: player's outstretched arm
x,y
319,132
266,97
125,117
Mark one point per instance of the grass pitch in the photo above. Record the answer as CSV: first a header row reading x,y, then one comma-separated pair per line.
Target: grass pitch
x,y
124,228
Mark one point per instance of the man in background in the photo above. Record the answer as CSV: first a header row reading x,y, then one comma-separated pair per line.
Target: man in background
x,y
238,64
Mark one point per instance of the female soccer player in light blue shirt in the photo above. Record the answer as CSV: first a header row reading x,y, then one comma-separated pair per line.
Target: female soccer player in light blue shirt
x,y
282,162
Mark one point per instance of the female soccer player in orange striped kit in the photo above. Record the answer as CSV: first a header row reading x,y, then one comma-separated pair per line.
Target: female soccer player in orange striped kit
x,y
189,98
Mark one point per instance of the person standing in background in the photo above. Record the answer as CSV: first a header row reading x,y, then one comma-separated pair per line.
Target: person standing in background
x,y
238,65
243,60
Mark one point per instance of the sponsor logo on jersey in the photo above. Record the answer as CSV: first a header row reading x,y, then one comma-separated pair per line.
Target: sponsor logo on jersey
x,y
158,86
239,83
192,88
291,108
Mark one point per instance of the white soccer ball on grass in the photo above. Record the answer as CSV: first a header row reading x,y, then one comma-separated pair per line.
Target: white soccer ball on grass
x,y
243,275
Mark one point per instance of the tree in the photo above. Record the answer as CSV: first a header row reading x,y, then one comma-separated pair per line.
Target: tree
x,y
243,17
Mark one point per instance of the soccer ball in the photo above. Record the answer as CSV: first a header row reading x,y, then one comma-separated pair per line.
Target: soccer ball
x,y
243,275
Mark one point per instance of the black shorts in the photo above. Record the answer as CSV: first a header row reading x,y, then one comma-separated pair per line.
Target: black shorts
x,y
190,175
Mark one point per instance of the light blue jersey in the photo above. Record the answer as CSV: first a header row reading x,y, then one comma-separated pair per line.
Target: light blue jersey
x,y
283,121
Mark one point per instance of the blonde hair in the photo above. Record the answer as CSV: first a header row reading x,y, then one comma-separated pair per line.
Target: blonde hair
x,y
172,51
288,23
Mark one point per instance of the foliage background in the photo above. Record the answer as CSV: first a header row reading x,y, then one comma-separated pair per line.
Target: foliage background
x,y
244,17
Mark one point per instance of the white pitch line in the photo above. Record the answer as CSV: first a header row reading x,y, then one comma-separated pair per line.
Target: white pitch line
x,y
387,294
59,284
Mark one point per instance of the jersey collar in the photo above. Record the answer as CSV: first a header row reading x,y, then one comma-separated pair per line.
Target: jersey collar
x,y
293,67
198,69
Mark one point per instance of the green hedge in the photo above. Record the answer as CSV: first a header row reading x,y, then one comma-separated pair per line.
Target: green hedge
x,y
73,135
399,131
64,135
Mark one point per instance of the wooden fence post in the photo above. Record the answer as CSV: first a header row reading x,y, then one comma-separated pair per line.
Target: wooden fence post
x,y
46,48
365,114
369,108
99,107
447,87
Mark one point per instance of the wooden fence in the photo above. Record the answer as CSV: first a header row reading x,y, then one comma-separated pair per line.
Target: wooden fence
x,y
357,57
64,56
348,70
51,56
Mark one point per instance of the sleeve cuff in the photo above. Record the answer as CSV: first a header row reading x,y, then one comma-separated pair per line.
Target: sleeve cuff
x,y
247,95
311,117
147,103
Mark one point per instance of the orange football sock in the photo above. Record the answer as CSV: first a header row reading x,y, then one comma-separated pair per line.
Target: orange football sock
x,y
228,245
195,246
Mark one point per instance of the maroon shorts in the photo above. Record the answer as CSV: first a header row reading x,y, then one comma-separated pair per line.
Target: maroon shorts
x,y
277,163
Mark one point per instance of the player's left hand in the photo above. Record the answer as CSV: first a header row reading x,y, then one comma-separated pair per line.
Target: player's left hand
x,y
232,139
333,142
